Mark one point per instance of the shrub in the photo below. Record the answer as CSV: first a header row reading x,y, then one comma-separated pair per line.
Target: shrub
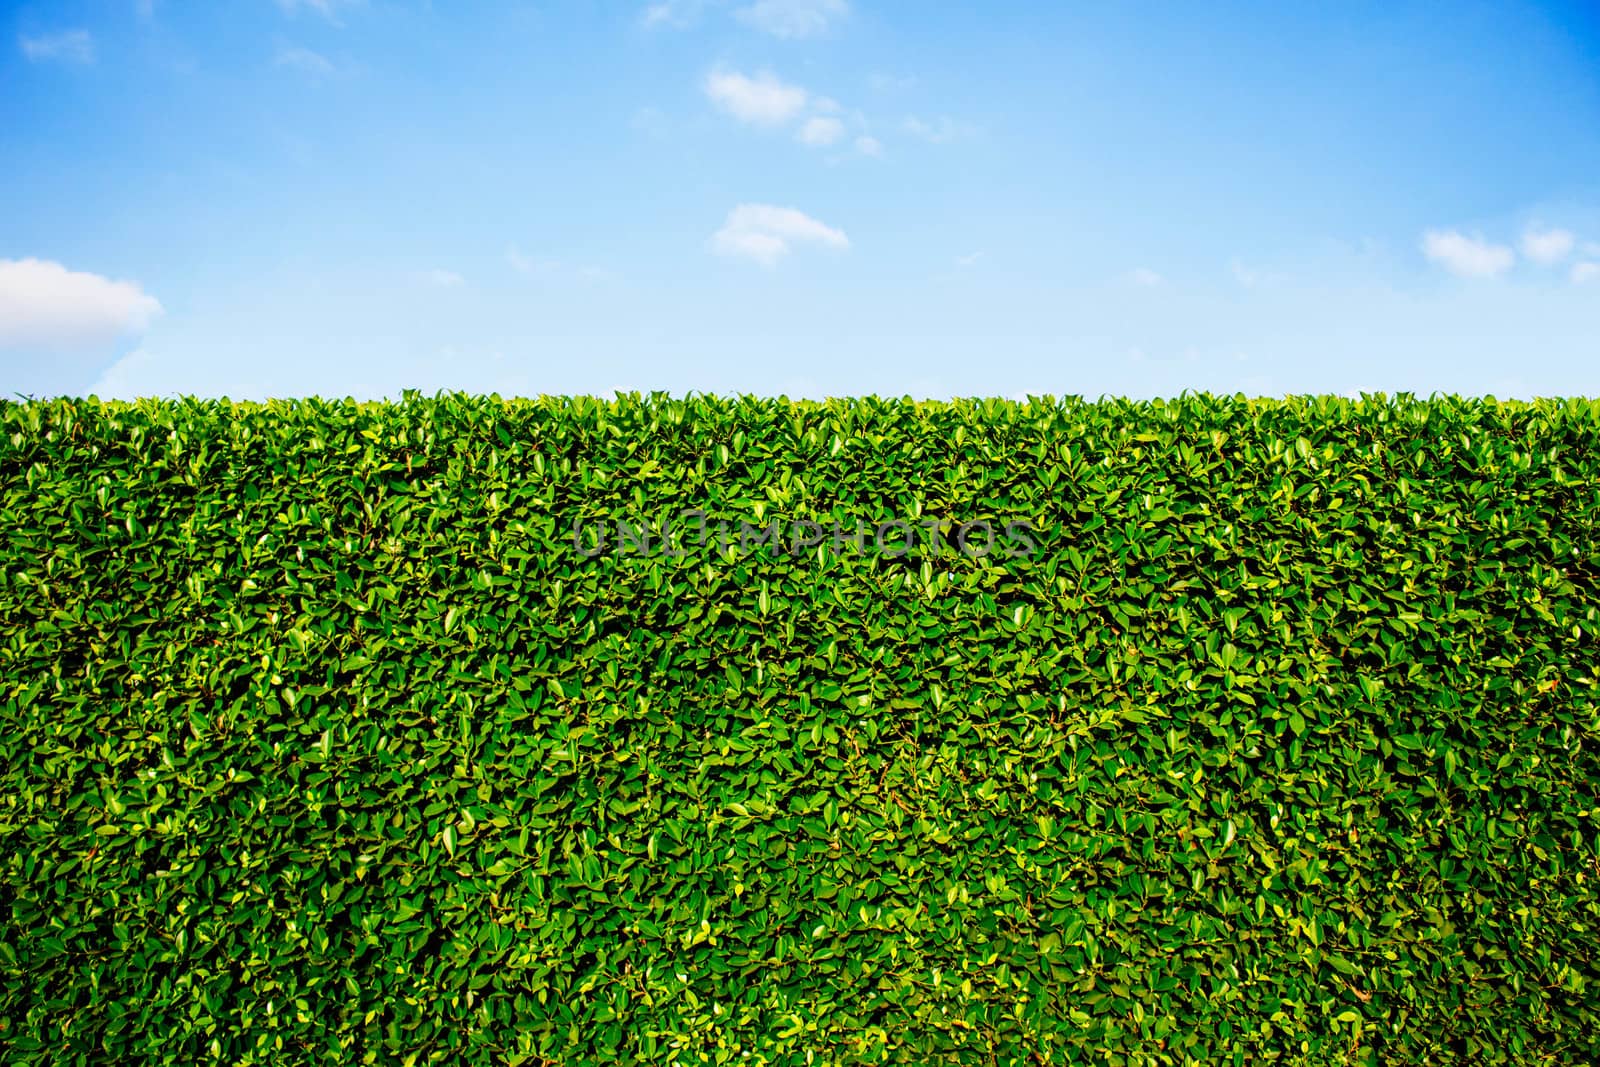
x,y
325,740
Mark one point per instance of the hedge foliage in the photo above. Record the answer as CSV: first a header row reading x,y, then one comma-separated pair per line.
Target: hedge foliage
x,y
323,741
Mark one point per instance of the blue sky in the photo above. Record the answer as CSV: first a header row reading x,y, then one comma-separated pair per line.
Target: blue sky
x,y
261,198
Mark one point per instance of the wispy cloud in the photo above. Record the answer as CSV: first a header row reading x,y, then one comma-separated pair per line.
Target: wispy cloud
x,y
530,267
1467,256
820,131
764,234
793,18
969,260
443,279
939,131
1586,271
789,19
67,46
328,9
120,381
1245,276
889,83
762,100
1547,246
526,265
1144,276
45,305
304,60
675,14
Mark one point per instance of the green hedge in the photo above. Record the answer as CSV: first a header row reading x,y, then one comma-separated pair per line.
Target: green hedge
x,y
324,740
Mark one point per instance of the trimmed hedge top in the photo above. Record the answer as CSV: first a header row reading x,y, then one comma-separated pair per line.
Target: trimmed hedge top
x,y
326,739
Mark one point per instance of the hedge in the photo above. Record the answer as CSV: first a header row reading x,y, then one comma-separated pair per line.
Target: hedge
x,y
329,735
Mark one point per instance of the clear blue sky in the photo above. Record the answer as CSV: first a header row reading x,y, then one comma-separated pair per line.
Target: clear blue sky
x,y
817,197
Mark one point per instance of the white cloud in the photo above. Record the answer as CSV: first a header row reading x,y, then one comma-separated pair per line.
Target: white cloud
x,y
1547,246
68,46
44,305
886,83
1585,272
792,18
940,131
120,380
764,234
552,268
1145,276
444,279
328,9
673,13
1467,257
524,265
819,131
762,100
305,61
968,260
780,18
1254,277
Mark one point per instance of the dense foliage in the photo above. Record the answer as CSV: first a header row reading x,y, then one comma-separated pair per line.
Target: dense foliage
x,y
324,740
